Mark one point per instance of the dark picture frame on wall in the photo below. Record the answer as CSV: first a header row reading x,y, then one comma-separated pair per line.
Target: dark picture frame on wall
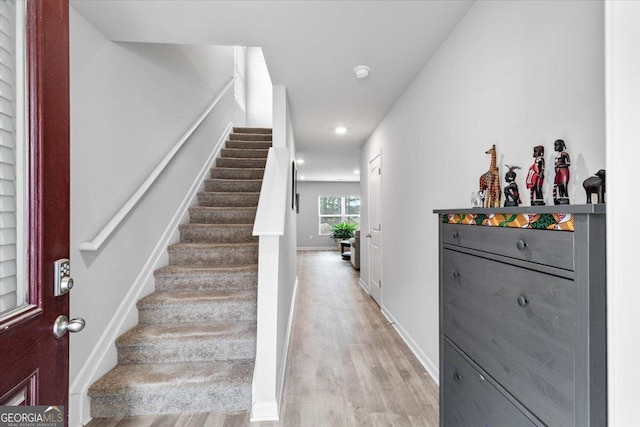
x,y
294,186
297,203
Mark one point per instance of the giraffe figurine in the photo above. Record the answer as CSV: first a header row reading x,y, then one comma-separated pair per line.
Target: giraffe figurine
x,y
490,181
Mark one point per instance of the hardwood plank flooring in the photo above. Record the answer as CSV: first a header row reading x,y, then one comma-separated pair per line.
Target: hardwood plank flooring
x,y
347,366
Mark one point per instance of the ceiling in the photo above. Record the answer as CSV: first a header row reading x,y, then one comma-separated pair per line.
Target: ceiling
x,y
311,47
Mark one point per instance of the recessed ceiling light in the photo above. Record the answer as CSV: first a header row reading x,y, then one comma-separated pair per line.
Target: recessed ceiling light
x,y
300,161
303,177
362,71
357,172
341,130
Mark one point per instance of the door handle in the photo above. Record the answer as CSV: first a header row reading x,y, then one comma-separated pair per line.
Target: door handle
x,y
367,235
62,325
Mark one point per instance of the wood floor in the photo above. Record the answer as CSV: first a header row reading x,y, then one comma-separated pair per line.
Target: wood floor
x,y
347,366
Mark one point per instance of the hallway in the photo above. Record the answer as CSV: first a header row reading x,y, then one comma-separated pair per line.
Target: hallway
x,y
347,366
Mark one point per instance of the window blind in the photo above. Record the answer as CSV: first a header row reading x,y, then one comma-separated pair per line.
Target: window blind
x,y
9,289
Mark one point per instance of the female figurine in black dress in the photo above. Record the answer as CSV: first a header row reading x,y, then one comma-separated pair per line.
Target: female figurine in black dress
x,y
511,193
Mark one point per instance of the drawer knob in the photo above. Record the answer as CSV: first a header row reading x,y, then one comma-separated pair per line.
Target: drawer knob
x,y
456,376
522,301
455,235
456,274
521,244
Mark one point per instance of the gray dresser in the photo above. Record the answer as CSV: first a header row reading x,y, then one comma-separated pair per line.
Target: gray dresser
x,y
523,316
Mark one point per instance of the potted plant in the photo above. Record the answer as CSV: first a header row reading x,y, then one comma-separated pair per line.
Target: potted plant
x,y
343,231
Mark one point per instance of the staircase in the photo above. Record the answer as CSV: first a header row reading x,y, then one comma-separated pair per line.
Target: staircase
x,y
194,347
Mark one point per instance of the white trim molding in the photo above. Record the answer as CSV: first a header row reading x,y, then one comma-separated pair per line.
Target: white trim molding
x,y
363,285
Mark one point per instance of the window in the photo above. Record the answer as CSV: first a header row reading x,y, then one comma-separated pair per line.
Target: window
x,y
336,209
13,165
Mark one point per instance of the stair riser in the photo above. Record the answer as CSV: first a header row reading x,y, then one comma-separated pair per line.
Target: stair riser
x,y
212,257
228,200
249,137
237,173
244,153
196,351
169,400
207,282
228,162
196,233
224,216
264,145
232,186
268,131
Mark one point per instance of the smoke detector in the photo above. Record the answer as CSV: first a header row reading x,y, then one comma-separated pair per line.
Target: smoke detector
x,y
362,71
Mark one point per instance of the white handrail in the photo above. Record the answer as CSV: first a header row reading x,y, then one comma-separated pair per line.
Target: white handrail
x,y
272,204
104,234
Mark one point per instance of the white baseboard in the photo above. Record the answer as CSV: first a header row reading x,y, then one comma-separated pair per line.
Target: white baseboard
x,y
426,362
317,248
98,362
363,285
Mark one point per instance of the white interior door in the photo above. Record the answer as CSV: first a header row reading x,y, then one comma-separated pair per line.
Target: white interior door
x,y
375,229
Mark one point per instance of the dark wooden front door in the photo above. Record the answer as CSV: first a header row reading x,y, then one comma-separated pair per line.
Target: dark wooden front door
x,y
35,364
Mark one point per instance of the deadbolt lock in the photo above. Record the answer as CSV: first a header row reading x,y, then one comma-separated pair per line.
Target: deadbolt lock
x,y
62,281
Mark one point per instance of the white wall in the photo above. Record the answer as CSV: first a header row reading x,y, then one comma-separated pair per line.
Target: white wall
x,y
259,90
277,281
308,218
515,74
623,152
129,104
288,279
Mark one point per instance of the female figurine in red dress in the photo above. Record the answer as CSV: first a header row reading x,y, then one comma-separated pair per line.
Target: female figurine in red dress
x,y
561,182
535,177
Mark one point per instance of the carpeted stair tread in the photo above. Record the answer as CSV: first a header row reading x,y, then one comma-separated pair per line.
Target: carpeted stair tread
x,y
235,162
204,278
249,144
250,137
217,233
233,185
184,332
222,214
198,306
187,342
171,375
173,388
237,173
181,298
221,199
199,269
213,253
252,130
253,153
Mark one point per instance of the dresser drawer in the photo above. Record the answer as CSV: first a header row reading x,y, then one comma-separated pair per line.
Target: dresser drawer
x,y
470,400
518,325
554,248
